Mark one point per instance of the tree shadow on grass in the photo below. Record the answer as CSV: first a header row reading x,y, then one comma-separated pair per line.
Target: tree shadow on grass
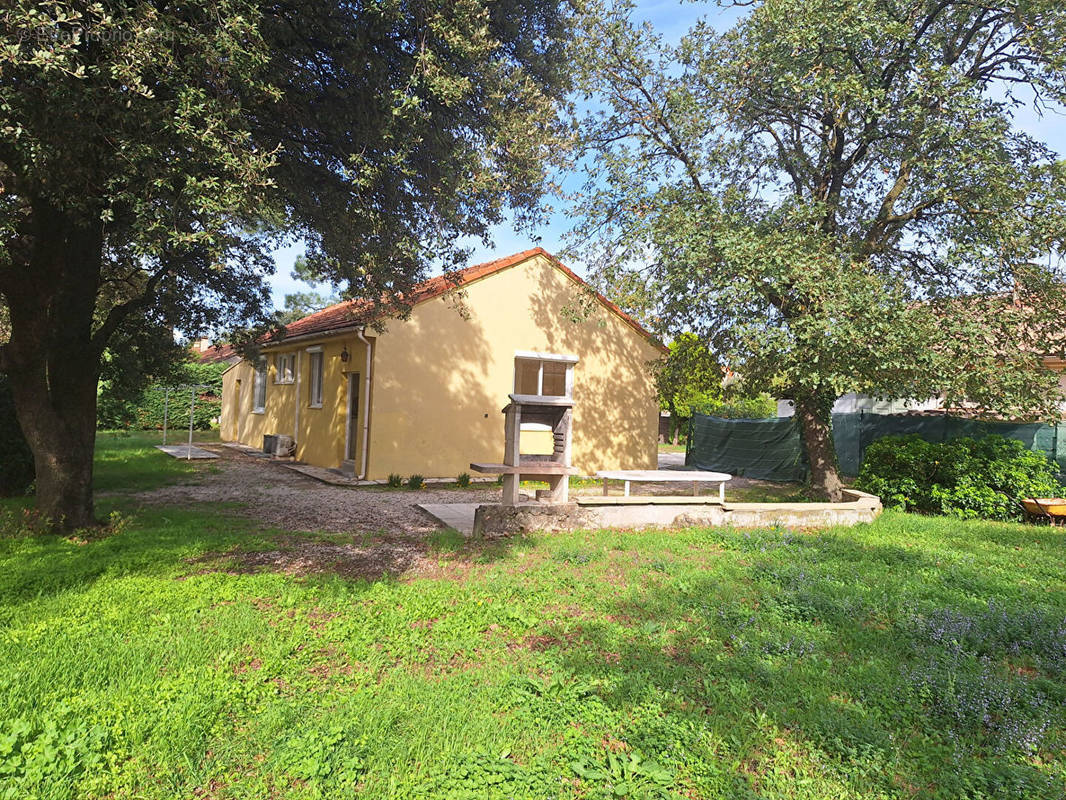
x,y
156,542
181,542
848,650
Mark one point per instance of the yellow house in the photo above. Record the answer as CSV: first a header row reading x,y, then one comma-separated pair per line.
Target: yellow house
x,y
425,395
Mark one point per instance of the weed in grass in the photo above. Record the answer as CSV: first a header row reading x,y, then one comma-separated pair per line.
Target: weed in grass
x,y
447,540
574,556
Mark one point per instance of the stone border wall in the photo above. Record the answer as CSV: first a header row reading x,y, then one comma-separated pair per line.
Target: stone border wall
x,y
592,513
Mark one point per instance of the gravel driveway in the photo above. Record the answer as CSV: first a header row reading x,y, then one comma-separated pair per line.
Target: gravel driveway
x,y
387,530
279,497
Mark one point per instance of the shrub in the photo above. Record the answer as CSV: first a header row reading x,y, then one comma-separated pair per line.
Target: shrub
x,y
145,409
759,407
394,480
463,480
17,471
983,478
416,481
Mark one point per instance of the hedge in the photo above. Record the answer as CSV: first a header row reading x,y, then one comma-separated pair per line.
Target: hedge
x,y
968,478
761,406
149,412
145,410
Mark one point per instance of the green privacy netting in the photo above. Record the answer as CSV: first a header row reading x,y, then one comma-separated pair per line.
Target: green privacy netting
x,y
770,449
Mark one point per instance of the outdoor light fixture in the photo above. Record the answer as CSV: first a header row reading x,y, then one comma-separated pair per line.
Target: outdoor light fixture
x,y
344,354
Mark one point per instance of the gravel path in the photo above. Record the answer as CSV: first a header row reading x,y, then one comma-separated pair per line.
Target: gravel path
x,y
388,532
279,497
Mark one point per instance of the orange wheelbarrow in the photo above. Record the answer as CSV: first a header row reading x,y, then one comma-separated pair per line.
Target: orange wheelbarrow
x,y
1050,509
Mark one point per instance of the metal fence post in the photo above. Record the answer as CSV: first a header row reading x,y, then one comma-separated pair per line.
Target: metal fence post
x,y
192,408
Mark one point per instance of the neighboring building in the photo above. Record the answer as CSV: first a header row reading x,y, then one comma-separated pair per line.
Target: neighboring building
x,y
853,403
425,395
206,353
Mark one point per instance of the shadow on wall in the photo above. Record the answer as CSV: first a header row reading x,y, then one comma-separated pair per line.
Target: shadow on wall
x,y
433,411
616,414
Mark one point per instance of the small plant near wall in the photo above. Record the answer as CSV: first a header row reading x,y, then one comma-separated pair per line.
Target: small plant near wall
x,y
395,481
463,480
416,482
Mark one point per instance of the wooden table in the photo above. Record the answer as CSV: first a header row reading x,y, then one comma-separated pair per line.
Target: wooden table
x,y
665,476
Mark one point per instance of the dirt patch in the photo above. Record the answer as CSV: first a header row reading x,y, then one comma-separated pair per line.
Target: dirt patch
x,y
303,557
277,497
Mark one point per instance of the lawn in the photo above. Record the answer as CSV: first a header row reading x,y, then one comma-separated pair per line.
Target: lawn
x,y
914,657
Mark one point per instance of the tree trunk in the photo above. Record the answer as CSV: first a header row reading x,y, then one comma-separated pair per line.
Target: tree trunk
x,y
52,362
814,413
675,424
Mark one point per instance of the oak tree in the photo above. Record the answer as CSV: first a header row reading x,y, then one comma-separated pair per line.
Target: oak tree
x,y
835,196
151,155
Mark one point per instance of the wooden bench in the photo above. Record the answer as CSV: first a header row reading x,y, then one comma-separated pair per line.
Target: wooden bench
x,y
665,476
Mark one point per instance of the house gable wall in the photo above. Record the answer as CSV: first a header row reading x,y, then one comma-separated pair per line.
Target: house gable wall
x,y
443,377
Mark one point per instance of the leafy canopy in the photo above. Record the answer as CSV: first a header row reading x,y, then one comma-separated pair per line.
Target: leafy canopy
x,y
688,376
182,142
834,196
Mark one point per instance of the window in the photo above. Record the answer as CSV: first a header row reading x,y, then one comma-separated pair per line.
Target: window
x,y
260,396
284,367
315,387
544,374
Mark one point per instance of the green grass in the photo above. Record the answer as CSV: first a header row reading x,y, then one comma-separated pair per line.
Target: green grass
x,y
914,657
127,461
667,447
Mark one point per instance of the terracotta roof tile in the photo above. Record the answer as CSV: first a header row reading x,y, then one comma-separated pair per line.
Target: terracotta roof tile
x,y
215,354
349,313
359,312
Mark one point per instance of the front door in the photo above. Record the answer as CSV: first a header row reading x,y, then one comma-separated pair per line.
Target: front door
x,y
351,425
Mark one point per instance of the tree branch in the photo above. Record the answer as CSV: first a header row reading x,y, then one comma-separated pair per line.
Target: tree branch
x,y
118,313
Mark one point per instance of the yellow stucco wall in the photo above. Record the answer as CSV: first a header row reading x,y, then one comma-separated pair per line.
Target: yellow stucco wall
x,y
440,380
319,432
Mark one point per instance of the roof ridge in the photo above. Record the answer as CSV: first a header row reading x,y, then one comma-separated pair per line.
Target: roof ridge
x,y
438,285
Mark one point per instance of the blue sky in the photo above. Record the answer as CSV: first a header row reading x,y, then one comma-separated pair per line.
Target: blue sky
x,y
672,19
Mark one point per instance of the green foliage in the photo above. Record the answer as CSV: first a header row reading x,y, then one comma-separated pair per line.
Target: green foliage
x,y
140,354
462,480
689,374
984,478
799,193
416,481
152,156
760,407
395,480
599,664
145,409
34,759
17,470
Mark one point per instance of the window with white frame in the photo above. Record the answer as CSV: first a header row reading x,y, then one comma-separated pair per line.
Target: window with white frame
x,y
284,367
260,394
315,384
544,374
